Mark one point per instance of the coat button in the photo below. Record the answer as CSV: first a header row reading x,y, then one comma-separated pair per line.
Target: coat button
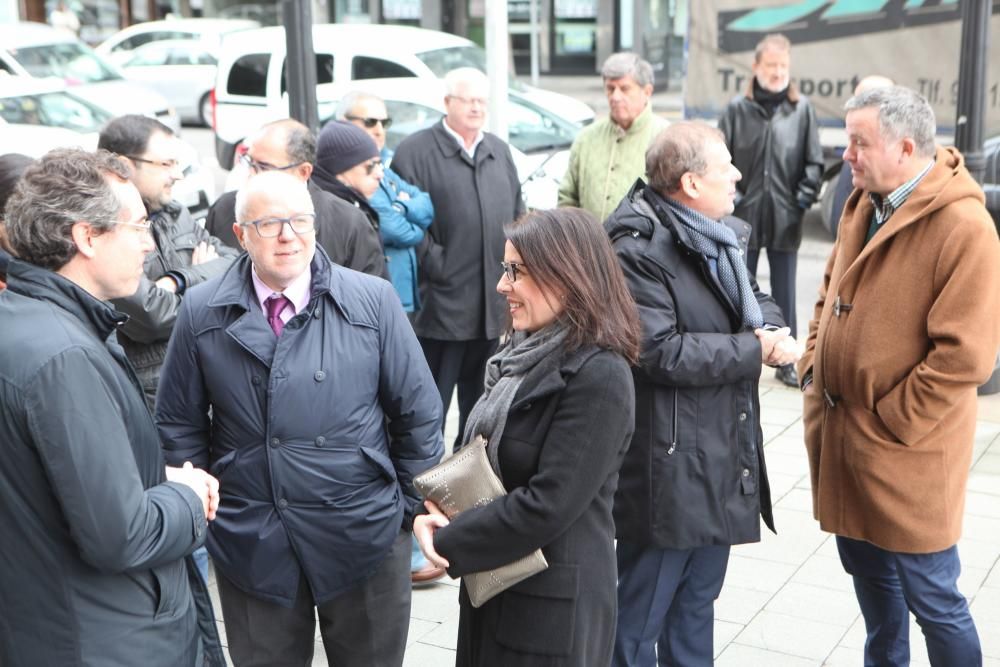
x,y
255,379
319,376
282,504
743,416
275,442
746,472
320,441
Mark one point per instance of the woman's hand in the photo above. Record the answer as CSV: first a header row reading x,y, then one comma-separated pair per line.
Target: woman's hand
x,y
424,527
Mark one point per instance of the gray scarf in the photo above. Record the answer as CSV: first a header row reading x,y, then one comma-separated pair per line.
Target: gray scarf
x,y
504,373
717,241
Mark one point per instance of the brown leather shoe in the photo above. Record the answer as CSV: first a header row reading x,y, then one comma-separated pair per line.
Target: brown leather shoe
x,y
426,575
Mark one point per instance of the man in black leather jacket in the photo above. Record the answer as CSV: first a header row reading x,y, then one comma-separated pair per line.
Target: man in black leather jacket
x,y
772,133
184,253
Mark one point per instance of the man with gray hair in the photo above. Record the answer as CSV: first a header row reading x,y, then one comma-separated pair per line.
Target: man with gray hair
x,y
693,482
97,531
905,329
609,155
301,384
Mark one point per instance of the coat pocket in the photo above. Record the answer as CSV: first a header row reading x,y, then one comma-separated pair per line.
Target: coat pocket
x,y
538,615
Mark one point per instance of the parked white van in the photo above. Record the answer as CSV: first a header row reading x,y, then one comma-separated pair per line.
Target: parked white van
x,y
251,74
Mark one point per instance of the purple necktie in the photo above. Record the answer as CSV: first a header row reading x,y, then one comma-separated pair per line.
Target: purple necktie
x,y
275,304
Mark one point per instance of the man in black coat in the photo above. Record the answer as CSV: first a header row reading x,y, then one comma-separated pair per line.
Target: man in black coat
x,y
97,531
773,136
693,482
473,184
342,230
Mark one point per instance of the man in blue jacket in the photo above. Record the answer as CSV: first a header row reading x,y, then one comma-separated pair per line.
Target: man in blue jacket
x,y
302,386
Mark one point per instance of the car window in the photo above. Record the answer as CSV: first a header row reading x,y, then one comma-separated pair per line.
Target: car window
x,y
248,75
363,67
70,61
135,41
407,118
53,110
324,70
531,129
148,56
442,61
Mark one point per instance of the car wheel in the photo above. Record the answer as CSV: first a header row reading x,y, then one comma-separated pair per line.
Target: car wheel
x,y
205,109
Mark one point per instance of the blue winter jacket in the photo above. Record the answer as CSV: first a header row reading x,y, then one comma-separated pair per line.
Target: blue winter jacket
x,y
315,436
403,222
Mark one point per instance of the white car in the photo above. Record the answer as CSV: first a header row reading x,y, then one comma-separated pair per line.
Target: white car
x,y
37,50
182,70
251,83
119,47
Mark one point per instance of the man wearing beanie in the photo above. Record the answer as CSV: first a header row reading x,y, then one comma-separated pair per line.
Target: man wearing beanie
x,y
348,166
342,230
473,184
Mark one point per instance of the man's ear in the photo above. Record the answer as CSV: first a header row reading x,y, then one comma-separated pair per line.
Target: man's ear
x,y
83,237
689,186
239,230
128,164
305,171
648,89
908,147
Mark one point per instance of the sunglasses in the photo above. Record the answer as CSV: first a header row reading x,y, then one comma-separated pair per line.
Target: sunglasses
x,y
372,122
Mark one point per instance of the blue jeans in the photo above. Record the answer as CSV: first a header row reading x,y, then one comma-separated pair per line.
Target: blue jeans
x,y
666,604
417,560
889,584
200,556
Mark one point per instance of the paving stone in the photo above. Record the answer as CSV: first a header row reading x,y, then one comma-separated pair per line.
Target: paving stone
x,y
425,655
435,603
723,634
419,629
845,657
758,575
739,605
798,500
982,504
740,655
445,635
826,572
815,603
798,538
782,484
792,635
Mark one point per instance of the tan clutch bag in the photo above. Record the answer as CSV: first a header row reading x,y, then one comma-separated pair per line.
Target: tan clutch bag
x,y
465,480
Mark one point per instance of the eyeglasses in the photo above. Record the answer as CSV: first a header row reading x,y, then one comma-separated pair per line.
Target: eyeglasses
x,y
470,101
372,122
170,165
372,166
145,227
512,270
269,228
258,167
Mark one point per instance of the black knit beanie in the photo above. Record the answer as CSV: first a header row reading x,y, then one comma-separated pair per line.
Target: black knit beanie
x,y
342,145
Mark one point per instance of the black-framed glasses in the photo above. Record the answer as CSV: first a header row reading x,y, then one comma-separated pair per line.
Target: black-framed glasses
x,y
512,270
372,166
166,164
258,167
372,122
269,228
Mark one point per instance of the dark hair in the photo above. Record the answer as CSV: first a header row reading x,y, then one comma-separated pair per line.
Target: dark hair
x,y
12,165
63,187
677,150
567,251
300,141
129,134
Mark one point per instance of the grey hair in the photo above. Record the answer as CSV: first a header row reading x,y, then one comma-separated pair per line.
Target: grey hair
x,y
466,75
273,183
66,186
775,41
351,100
902,113
677,150
624,64
300,141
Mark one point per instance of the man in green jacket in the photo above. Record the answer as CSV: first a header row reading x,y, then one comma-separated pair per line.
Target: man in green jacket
x,y
609,155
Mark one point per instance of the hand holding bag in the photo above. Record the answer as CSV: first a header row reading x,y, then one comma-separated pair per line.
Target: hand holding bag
x,y
465,480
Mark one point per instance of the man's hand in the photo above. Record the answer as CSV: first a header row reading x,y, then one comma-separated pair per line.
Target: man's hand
x,y
777,348
167,283
199,481
203,252
424,527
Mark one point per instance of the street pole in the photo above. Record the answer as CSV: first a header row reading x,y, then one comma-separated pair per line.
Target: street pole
x,y
300,62
497,58
533,21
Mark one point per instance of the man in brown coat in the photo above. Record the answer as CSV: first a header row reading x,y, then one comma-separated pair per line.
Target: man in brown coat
x,y
906,327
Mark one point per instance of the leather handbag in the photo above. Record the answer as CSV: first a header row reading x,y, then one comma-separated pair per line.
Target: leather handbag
x,y
465,480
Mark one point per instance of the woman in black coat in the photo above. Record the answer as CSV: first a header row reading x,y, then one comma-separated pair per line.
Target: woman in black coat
x,y
557,414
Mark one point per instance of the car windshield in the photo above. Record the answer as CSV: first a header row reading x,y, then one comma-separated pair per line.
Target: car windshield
x,y
72,62
531,129
55,109
442,61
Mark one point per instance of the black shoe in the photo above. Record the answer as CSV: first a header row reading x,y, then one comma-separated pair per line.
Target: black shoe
x,y
787,375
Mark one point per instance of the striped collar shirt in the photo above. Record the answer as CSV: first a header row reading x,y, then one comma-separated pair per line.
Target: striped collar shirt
x,y
886,206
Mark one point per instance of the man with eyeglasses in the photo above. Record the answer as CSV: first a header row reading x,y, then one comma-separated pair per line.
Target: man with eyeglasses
x,y
97,530
301,384
342,230
183,253
473,184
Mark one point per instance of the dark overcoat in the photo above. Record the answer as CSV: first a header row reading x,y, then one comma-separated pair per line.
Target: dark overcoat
x,y
95,566
694,475
566,433
315,436
459,260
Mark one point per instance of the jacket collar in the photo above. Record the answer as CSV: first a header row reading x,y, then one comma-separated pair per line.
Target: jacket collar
x,y
549,376
638,125
450,148
793,94
44,285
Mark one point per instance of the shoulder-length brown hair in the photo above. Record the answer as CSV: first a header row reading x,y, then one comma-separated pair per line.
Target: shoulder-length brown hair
x,y
566,251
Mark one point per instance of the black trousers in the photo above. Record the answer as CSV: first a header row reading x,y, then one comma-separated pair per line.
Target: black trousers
x,y
783,266
364,627
462,363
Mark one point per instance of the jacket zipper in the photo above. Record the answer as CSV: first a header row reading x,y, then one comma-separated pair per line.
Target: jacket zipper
x,y
673,436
